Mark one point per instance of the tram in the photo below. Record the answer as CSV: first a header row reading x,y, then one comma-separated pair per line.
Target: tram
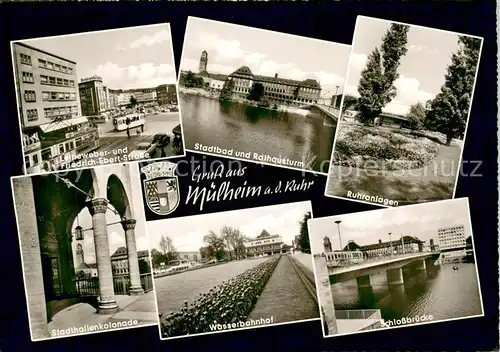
x,y
129,121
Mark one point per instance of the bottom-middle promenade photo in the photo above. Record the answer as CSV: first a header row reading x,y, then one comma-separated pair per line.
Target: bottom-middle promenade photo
x,y
239,269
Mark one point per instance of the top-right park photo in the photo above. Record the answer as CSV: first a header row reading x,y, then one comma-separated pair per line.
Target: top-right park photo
x,y
404,113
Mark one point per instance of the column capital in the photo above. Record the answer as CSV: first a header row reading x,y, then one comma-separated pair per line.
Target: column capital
x,y
97,205
129,224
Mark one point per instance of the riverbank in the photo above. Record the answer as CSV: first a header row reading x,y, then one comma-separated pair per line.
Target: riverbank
x,y
215,95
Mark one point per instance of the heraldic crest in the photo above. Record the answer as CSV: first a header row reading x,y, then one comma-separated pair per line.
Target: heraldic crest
x,y
161,187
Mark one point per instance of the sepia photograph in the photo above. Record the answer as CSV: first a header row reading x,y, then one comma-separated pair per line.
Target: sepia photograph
x,y
395,267
405,111
253,94
241,269
84,251
83,108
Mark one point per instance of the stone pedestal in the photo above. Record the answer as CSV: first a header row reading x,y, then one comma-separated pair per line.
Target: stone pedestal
x,y
31,254
395,276
107,304
326,301
364,281
133,262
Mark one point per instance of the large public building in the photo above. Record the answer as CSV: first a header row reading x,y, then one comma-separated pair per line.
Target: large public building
x,y
276,89
265,244
451,238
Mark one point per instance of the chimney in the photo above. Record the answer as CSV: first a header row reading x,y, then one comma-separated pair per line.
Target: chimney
x,y
275,75
379,241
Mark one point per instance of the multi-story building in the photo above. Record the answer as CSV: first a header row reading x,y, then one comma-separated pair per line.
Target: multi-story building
x,y
93,96
264,244
119,260
405,244
54,132
144,95
166,94
194,256
451,238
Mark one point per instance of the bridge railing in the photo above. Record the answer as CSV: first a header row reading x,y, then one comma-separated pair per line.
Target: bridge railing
x,y
358,314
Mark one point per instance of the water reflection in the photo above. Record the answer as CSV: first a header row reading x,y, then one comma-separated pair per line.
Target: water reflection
x,y
439,291
257,130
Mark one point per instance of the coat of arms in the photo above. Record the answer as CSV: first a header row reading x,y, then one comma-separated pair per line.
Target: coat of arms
x,y
161,187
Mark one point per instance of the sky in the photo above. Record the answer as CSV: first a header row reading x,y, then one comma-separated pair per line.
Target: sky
x,y
421,221
134,57
421,70
187,232
231,46
116,234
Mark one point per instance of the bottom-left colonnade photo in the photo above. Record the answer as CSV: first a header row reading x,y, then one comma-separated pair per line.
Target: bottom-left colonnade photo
x,y
84,251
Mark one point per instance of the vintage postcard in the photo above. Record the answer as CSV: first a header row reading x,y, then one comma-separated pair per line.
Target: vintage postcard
x,y
405,111
258,95
395,267
84,251
241,269
113,104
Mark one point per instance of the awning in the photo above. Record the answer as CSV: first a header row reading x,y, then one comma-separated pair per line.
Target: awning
x,y
177,129
57,125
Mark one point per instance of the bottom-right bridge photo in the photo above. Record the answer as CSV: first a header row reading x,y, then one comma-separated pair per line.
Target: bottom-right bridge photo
x,y
395,267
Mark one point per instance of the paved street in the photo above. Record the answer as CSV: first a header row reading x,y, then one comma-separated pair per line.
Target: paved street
x,y
114,147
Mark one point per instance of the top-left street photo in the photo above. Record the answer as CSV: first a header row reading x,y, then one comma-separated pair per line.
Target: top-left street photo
x,y
112,104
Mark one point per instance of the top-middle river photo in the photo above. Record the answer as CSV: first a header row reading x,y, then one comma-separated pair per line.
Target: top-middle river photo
x,y
258,95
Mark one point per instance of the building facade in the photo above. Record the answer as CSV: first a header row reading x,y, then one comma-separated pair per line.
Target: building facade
x,y
264,244
276,89
93,96
119,261
46,85
166,94
451,238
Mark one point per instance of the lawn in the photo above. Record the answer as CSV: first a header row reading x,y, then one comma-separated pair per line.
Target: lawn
x,y
381,148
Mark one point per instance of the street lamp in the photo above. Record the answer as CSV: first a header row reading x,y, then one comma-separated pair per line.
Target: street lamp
x,y
338,229
390,241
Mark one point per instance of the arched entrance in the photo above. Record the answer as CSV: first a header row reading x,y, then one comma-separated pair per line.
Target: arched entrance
x,y
47,207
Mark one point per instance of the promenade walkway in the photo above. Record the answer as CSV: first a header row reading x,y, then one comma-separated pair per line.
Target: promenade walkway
x,y
285,298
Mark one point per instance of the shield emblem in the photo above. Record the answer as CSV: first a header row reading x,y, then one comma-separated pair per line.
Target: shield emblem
x,y
162,194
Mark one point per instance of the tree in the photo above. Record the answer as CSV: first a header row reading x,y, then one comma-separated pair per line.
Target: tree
x,y
168,248
416,116
349,103
157,258
191,80
144,267
133,101
256,92
448,111
226,92
215,244
304,234
376,86
82,275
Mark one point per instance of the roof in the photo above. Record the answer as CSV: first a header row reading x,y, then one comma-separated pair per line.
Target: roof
x,y
43,51
120,251
242,71
245,72
263,234
57,125
84,266
406,239
394,116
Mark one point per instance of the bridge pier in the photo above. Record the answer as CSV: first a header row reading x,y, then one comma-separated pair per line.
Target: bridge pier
x,y
395,276
325,297
364,281
421,265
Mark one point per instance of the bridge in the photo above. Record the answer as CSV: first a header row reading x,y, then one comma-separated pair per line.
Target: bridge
x,y
393,265
324,110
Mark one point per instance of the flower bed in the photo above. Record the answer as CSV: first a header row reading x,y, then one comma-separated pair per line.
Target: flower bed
x,y
369,148
228,303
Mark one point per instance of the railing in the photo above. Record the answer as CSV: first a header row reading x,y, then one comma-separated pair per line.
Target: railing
x,y
87,287
121,284
147,282
373,314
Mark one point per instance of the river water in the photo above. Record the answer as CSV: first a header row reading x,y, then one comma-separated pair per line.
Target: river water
x,y
443,293
243,128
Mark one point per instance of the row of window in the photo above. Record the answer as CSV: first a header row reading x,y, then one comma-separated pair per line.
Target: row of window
x,y
25,59
31,160
50,96
56,81
62,110
56,67
28,77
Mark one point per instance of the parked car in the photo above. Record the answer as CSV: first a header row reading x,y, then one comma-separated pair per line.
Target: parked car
x,y
144,150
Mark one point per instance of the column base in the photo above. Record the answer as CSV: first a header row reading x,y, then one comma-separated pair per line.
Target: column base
x,y
107,307
135,291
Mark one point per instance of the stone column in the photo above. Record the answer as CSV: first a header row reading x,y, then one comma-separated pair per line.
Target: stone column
x,y
325,296
107,304
31,256
395,276
364,281
133,262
